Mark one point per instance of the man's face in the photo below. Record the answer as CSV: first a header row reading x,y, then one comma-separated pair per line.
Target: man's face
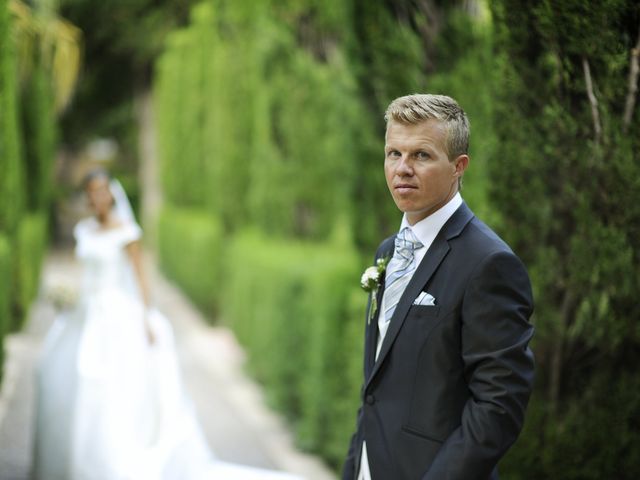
x,y
419,175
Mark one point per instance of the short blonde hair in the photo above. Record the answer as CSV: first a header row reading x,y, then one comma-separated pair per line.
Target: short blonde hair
x,y
416,108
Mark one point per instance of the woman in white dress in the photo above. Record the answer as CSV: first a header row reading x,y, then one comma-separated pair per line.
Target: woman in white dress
x,y
110,402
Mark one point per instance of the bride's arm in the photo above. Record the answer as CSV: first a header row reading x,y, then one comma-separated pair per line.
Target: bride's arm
x,y
135,255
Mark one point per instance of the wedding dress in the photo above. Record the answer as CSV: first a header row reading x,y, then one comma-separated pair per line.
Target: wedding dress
x,y
110,406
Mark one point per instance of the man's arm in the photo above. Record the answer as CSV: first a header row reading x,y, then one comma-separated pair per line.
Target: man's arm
x,y
499,368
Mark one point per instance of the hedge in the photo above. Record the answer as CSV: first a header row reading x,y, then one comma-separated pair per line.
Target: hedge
x,y
5,289
11,169
242,109
40,133
190,248
30,248
298,310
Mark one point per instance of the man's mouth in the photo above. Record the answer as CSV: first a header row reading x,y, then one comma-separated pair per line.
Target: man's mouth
x,y
404,187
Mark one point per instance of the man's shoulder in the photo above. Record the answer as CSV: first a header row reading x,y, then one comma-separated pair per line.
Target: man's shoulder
x,y
483,238
479,246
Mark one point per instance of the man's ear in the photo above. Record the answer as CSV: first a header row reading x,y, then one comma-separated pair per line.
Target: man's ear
x,y
461,163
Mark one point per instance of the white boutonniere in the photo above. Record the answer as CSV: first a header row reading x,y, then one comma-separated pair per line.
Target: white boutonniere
x,y
371,281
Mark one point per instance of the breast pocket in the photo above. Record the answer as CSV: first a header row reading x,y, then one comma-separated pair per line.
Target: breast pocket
x,y
421,319
421,311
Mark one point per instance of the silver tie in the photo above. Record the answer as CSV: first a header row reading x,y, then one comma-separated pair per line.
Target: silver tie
x,y
400,269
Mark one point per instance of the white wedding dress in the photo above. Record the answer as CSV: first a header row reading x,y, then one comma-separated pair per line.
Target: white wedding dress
x,y
110,406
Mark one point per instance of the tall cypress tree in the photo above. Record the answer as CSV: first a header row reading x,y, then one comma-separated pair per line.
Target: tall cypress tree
x,y
566,179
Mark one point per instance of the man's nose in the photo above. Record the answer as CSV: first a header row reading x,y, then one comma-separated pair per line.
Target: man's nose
x,y
404,167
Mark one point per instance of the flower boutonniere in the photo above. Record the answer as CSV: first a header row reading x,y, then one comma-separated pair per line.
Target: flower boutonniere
x,y
371,281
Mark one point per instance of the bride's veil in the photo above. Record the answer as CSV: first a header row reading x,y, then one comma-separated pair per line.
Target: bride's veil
x,y
122,207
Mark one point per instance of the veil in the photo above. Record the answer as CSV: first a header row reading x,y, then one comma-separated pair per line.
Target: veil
x,y
122,207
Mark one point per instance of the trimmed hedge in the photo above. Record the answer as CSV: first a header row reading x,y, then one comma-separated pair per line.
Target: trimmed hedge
x,y
298,310
243,109
190,247
11,168
40,134
30,248
5,290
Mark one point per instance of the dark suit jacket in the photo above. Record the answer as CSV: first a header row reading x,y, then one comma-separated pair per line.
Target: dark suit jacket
x,y
447,395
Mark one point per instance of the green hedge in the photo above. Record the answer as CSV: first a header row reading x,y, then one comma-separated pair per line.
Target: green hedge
x,y
11,169
243,109
31,243
5,290
190,248
39,131
298,310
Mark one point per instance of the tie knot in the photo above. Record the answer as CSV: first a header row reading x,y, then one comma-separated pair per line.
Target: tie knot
x,y
407,243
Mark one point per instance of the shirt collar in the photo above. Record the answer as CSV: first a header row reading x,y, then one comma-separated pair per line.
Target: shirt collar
x,y
427,229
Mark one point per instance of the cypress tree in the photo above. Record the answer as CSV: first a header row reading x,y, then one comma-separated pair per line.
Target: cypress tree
x,y
565,178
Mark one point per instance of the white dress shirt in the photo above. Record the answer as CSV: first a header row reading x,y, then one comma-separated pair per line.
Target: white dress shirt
x,y
426,231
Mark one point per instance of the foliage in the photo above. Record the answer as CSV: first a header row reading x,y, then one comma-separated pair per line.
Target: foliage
x,y
27,143
11,173
5,292
236,100
301,325
566,180
39,128
30,247
191,253
117,57
47,41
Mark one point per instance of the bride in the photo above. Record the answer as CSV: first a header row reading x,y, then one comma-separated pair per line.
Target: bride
x,y
110,403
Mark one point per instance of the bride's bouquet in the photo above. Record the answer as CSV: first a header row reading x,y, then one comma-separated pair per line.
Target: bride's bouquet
x,y
63,296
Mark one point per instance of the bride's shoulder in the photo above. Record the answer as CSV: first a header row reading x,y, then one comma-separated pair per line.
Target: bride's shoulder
x,y
129,232
84,226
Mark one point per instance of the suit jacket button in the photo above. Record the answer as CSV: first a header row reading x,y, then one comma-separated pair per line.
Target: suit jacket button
x,y
370,399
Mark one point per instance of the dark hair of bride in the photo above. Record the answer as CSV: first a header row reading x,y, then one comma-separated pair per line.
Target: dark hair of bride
x,y
94,174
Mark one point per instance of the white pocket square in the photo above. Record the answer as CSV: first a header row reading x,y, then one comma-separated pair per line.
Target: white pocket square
x,y
424,299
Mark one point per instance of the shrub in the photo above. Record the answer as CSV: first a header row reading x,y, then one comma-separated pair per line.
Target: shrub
x,y
5,289
190,247
30,248
296,308
11,168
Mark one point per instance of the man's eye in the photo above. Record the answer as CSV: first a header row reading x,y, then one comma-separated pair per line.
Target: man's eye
x,y
423,155
393,154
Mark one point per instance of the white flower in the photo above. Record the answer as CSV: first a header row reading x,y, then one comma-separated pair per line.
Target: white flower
x,y
370,278
370,282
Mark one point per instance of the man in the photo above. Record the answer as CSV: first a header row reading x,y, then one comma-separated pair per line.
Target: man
x,y
447,368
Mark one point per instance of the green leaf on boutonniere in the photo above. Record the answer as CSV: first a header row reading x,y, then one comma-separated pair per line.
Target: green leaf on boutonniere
x,y
371,280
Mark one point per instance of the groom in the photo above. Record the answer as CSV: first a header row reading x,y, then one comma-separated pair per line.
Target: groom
x,y
447,368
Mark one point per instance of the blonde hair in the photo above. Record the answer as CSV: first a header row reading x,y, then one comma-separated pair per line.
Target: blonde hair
x,y
416,108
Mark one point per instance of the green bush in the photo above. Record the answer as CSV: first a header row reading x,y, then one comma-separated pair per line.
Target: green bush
x,y
11,173
298,310
39,130
191,252
30,248
566,183
5,290
243,108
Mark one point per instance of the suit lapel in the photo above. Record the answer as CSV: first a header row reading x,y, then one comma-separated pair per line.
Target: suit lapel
x,y
432,259
371,339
